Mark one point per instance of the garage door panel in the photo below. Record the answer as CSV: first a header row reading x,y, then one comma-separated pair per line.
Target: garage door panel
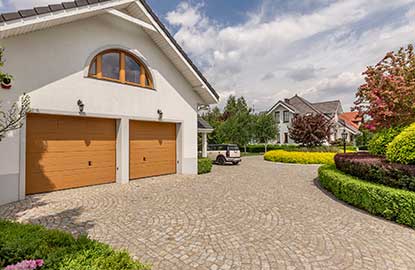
x,y
61,161
47,181
152,149
66,152
41,145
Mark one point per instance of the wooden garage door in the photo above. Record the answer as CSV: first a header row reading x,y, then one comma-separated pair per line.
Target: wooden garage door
x,y
67,152
152,149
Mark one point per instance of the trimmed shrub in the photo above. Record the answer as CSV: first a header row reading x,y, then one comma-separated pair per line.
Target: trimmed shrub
x,y
300,157
390,203
402,148
204,165
377,145
59,250
260,148
377,169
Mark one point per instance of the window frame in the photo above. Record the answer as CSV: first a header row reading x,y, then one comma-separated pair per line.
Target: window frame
x,y
144,76
286,116
277,117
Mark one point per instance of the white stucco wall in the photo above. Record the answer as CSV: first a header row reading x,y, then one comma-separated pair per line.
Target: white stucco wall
x,y
50,65
283,127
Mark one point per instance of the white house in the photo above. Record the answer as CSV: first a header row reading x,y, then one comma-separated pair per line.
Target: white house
x,y
113,97
285,110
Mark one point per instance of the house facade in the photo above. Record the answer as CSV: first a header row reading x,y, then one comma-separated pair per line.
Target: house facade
x,y
285,110
113,97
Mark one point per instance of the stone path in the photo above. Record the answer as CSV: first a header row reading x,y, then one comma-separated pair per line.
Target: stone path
x,y
258,215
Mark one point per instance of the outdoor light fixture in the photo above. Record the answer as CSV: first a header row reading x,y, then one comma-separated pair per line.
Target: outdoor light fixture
x,y
344,137
160,113
81,106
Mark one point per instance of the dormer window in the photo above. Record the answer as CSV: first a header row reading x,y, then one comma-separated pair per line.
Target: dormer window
x,y
120,66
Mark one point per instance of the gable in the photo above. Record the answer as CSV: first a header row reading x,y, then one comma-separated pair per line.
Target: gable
x,y
38,19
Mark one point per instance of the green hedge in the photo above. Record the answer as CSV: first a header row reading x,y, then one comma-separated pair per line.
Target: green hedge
x,y
300,157
402,148
377,145
204,165
393,204
260,148
58,249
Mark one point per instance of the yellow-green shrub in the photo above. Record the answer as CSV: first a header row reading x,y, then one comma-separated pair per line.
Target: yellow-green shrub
x,y
402,148
300,157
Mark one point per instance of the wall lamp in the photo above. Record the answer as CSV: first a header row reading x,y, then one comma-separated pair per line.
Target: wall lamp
x,y
160,113
81,106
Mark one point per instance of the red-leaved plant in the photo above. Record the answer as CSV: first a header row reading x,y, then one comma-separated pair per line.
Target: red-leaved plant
x,y
387,98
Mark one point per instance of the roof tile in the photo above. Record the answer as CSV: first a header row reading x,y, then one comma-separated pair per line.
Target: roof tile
x,y
42,10
92,1
81,3
68,5
11,16
56,7
27,13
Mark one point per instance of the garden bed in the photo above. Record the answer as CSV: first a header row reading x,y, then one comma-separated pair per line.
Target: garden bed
x,y
58,250
377,169
260,148
391,203
300,157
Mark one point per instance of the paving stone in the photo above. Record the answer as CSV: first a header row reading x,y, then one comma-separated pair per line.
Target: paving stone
x,y
258,215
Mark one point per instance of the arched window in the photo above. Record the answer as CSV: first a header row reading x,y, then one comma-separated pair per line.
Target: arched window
x,y
120,66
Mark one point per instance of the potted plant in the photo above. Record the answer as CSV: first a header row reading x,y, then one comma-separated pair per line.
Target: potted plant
x,y
6,81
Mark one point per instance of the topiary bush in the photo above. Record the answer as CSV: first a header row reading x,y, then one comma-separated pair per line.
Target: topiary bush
x,y
377,169
204,165
390,203
377,145
402,148
59,250
300,157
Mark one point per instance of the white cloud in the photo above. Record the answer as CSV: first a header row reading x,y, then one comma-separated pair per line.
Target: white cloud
x,y
266,59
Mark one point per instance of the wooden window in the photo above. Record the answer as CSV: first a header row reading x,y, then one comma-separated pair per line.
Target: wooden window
x,y
122,67
286,116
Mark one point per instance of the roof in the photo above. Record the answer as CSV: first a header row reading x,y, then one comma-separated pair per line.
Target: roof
x,y
351,119
202,124
328,106
300,105
55,9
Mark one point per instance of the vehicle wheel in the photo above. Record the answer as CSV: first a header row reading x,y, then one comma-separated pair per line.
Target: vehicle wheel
x,y
221,160
235,162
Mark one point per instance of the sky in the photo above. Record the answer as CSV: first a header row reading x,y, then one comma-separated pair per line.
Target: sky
x,y
266,50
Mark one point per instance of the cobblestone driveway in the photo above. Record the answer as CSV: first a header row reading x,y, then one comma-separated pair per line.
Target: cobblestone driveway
x,y
258,215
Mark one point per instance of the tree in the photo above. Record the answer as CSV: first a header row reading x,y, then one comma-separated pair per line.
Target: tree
x,y
234,125
265,128
388,94
310,130
12,118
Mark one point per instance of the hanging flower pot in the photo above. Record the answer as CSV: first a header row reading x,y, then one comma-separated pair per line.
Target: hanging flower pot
x,y
6,82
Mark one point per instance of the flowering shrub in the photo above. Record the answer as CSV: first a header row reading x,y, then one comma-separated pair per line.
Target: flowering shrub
x,y
388,94
25,265
402,148
376,169
59,250
300,157
390,203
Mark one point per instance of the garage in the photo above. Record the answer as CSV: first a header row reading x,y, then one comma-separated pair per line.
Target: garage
x,y
152,149
67,152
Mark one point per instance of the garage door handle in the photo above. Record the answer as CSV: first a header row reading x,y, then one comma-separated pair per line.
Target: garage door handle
x,y
144,158
89,163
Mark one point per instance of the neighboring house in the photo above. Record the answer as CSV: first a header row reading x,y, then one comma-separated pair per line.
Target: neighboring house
x,y
113,97
285,110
